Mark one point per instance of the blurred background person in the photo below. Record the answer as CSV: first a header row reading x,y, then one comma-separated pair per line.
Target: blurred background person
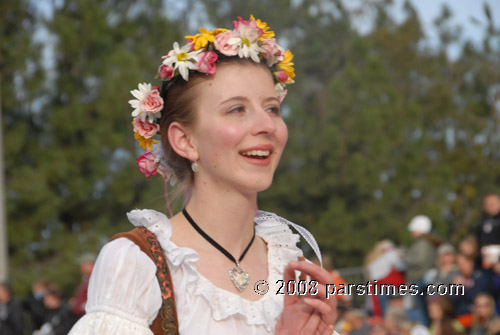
x,y
11,312
474,282
377,326
488,231
494,328
383,264
33,305
58,319
398,322
495,282
484,314
79,299
446,268
418,259
468,246
442,316
358,322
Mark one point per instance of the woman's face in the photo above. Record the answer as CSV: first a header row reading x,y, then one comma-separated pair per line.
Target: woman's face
x,y
483,306
447,259
238,133
465,266
435,311
491,204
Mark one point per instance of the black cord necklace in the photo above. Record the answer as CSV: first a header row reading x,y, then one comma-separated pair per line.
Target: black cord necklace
x,y
238,276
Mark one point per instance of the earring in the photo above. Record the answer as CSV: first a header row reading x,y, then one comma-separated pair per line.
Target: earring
x,y
194,166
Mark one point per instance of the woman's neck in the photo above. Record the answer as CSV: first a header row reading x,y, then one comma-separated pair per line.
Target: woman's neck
x,y
227,217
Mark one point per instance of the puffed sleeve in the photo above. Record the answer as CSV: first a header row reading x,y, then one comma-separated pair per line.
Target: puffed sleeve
x,y
124,295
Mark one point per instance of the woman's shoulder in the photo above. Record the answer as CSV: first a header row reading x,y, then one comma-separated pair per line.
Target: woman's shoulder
x,y
149,218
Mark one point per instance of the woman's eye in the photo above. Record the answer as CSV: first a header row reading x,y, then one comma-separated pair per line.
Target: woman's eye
x,y
274,109
237,109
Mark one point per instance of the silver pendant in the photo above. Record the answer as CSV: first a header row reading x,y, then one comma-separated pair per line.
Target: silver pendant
x,y
239,277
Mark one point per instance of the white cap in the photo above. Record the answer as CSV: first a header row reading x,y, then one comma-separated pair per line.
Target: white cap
x,y
420,224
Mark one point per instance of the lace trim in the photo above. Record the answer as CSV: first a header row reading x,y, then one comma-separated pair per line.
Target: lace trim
x,y
267,218
281,243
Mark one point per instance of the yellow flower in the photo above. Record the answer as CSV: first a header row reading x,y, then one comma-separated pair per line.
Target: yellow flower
x,y
264,27
201,40
287,66
145,143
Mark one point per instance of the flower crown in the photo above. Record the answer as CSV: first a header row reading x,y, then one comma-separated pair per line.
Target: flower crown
x,y
249,39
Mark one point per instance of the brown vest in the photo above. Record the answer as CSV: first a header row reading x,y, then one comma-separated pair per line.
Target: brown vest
x,y
166,321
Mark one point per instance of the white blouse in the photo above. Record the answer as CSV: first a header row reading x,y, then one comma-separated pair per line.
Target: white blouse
x,y
124,295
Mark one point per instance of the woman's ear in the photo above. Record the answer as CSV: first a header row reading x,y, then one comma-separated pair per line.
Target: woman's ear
x,y
181,141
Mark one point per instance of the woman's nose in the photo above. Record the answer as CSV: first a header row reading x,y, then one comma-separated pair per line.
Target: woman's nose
x,y
264,122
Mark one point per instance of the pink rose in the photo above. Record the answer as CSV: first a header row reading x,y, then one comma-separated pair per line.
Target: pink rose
x,y
165,72
206,62
148,164
221,43
281,76
152,102
236,24
145,129
245,24
270,48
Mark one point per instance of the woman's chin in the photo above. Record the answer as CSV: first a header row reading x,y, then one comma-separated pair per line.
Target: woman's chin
x,y
259,184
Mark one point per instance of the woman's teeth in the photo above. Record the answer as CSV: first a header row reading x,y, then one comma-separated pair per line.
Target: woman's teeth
x,y
259,153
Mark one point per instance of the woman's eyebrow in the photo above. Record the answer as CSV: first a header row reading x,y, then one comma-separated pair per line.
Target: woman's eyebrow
x,y
273,98
236,98
243,98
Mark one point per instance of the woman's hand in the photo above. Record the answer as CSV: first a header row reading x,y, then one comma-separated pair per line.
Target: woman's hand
x,y
308,314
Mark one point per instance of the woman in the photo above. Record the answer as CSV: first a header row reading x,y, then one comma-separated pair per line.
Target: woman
x,y
398,322
484,314
442,315
222,136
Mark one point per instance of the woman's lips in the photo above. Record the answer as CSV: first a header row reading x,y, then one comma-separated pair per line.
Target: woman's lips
x,y
260,155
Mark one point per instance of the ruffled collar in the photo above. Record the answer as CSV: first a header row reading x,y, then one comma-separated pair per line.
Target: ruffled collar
x,y
281,246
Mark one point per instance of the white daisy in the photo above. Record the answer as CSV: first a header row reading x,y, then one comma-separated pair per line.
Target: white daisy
x,y
182,59
247,41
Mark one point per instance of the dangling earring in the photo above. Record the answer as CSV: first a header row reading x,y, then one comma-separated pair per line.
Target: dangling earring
x,y
194,166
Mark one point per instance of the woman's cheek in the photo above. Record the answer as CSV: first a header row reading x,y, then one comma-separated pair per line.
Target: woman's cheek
x,y
284,134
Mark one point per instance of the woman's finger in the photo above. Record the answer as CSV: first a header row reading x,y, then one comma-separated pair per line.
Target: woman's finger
x,y
325,309
326,316
313,271
312,324
289,275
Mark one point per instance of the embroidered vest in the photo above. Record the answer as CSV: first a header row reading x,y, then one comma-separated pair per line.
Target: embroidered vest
x,y
166,322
